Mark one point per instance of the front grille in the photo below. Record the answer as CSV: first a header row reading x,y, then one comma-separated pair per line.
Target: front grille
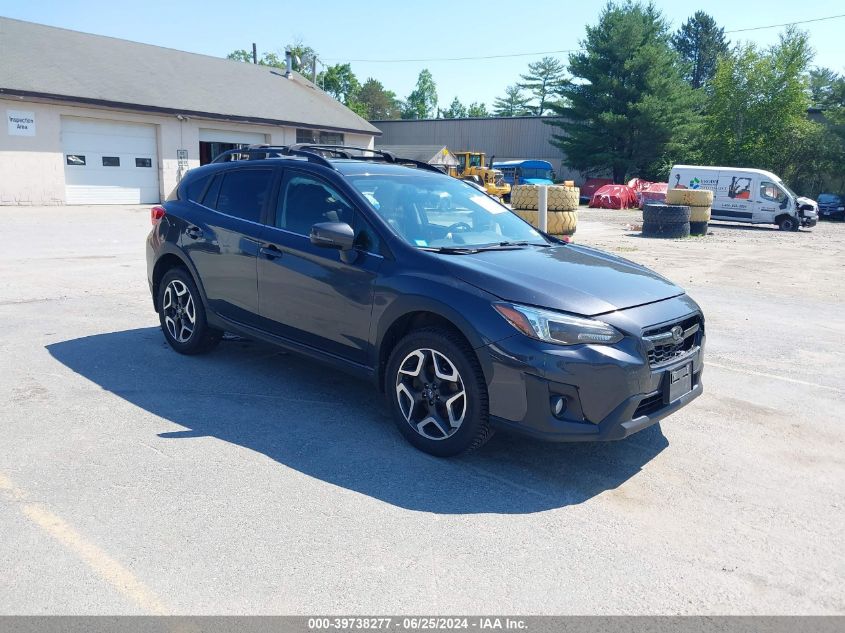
x,y
671,341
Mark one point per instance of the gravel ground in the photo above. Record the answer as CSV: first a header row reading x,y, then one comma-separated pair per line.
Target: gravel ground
x,y
134,480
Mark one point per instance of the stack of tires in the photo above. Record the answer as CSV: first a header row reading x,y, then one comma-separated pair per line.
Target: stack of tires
x,y
562,218
699,202
666,220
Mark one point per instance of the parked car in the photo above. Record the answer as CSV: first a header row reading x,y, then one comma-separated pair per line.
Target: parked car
x,y
754,196
831,206
467,318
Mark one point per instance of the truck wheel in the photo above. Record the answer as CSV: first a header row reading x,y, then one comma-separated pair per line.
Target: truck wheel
x,y
788,223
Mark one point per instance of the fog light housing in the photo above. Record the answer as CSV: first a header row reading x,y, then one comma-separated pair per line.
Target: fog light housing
x,y
558,406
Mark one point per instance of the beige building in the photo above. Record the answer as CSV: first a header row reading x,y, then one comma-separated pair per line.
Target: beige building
x,y
96,120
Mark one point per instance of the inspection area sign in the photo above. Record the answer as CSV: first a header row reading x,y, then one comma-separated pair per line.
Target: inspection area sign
x,y
21,123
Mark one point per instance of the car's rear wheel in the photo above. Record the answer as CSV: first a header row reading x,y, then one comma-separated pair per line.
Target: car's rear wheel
x,y
182,315
437,394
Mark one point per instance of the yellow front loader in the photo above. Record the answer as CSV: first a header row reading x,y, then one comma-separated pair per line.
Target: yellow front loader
x,y
472,166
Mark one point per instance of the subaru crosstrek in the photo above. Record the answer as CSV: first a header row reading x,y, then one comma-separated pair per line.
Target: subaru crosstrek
x,y
464,315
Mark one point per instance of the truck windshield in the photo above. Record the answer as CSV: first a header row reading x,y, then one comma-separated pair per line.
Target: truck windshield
x,y
430,211
783,186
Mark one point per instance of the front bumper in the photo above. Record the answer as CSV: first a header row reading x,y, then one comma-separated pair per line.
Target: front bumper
x,y
811,221
611,392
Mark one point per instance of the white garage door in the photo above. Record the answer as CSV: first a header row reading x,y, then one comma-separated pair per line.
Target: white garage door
x,y
107,162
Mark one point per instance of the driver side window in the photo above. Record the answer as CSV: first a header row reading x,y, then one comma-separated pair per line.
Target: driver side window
x,y
770,191
306,201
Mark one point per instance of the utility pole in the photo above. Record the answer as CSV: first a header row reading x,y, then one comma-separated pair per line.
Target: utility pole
x,y
254,54
314,70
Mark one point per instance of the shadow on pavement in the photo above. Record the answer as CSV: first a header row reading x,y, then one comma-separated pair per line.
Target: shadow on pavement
x,y
336,428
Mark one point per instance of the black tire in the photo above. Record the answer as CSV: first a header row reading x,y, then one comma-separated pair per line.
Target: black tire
x,y
202,338
658,213
788,223
668,231
698,228
474,428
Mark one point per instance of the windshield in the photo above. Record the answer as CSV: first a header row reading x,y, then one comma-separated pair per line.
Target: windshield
x,y
442,212
828,197
783,186
536,172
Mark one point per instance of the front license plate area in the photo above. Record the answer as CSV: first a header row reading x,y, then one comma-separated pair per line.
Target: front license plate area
x,y
678,382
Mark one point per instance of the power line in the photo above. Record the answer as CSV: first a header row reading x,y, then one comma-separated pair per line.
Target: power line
x,y
570,50
456,59
774,26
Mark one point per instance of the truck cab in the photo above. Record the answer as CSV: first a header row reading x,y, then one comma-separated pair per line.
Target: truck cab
x,y
753,196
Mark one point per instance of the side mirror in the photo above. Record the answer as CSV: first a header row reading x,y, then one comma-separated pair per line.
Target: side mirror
x,y
338,235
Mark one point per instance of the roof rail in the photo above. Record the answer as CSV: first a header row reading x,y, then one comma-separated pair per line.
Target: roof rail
x,y
259,152
314,153
344,151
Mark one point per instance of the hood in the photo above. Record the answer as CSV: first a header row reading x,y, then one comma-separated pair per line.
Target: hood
x,y
570,278
807,202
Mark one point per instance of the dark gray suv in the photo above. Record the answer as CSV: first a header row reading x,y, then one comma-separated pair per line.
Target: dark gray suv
x,y
466,317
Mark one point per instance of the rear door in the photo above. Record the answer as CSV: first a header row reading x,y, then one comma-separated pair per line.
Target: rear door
x,y
223,240
307,293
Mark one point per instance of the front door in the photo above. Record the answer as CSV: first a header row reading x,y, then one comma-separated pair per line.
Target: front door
x,y
771,202
308,293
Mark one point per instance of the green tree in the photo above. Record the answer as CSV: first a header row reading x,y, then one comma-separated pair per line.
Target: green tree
x,y
379,103
757,114
827,88
544,80
456,110
700,42
422,102
303,57
629,111
477,110
514,103
340,82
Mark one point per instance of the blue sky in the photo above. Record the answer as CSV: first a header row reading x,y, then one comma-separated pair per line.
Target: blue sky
x,y
342,31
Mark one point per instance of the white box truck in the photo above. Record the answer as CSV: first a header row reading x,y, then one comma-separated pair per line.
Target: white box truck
x,y
754,196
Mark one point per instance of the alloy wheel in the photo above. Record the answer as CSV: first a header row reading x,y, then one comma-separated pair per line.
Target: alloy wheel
x,y
431,394
180,315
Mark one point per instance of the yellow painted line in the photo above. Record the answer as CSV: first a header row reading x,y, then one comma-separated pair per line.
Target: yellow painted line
x,y
764,374
104,565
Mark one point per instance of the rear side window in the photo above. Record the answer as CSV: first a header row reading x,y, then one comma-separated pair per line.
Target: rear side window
x,y
196,187
244,192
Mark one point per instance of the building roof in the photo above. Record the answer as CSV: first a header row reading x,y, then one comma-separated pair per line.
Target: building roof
x,y
432,154
44,62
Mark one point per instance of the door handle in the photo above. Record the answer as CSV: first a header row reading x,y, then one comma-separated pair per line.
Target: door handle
x,y
270,252
194,232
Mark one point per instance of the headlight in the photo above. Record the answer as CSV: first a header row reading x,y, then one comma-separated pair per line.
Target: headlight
x,y
557,327
840,208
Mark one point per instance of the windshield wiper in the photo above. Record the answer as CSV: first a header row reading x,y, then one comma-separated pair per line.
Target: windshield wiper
x,y
546,244
449,250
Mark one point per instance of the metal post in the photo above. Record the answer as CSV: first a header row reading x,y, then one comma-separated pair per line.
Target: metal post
x,y
543,207
254,54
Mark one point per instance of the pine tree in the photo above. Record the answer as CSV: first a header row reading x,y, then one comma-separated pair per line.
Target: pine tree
x,y
514,103
544,80
700,42
630,108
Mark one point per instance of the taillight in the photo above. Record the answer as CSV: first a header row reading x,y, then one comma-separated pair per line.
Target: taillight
x,y
156,214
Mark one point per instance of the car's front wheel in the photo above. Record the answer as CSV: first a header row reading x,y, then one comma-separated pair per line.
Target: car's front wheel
x,y
437,393
182,315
